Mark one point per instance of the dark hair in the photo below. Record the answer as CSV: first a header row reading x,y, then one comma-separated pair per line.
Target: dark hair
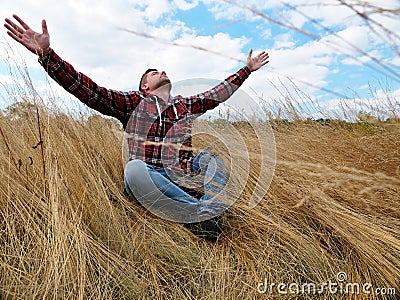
x,y
143,79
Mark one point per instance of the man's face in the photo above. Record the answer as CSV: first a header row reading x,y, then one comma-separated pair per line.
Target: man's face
x,y
155,80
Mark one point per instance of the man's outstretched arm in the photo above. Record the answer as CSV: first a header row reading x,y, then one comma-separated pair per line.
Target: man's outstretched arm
x,y
210,99
106,101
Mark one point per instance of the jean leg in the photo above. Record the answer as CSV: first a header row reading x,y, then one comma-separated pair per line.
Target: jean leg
x,y
137,185
154,190
214,171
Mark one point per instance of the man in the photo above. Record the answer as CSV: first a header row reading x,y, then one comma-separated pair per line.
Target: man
x,y
158,128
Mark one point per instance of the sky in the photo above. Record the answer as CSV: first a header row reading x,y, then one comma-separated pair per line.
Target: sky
x,y
319,53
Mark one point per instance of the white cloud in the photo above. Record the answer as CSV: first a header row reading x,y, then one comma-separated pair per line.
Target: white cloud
x,y
155,9
351,41
185,5
327,14
284,41
266,34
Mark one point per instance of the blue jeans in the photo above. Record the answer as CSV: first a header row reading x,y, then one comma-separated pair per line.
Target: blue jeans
x,y
156,190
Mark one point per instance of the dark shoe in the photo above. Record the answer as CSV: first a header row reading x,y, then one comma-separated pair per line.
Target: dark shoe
x,y
209,230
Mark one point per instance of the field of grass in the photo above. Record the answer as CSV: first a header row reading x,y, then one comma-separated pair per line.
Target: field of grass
x,y
69,232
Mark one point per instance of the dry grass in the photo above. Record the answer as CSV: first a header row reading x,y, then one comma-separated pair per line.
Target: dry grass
x,y
333,205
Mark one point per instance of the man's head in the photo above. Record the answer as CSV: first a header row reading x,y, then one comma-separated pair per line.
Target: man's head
x,y
153,79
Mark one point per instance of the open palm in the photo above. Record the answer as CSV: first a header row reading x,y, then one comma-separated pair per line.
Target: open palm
x,y
35,42
254,63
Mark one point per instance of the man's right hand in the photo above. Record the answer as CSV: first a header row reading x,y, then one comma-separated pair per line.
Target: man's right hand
x,y
38,43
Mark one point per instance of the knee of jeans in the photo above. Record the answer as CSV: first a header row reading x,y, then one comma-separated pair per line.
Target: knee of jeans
x,y
134,169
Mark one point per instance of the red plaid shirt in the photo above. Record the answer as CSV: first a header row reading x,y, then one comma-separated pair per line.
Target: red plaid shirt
x,y
158,133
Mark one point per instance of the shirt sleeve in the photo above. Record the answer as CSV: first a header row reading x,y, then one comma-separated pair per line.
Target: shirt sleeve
x,y
106,101
202,102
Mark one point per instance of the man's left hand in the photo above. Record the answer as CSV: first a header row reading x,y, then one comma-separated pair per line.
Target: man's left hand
x,y
254,63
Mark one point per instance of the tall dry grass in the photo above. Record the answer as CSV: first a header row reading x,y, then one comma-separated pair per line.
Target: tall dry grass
x,y
69,232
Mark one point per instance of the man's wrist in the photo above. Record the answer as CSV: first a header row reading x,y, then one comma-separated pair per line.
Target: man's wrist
x,y
45,56
43,52
247,68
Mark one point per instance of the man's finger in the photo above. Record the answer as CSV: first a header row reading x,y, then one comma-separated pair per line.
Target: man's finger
x,y
23,24
264,57
250,53
263,54
44,27
16,38
14,28
13,33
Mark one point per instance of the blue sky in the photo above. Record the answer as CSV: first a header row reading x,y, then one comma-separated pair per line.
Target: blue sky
x,y
335,59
